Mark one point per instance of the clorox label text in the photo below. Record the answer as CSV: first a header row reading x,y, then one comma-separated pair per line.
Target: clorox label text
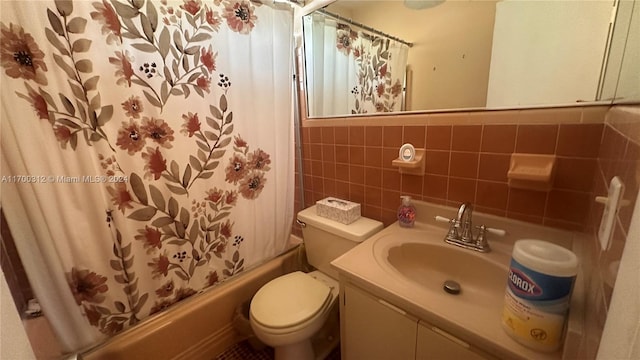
x,y
522,284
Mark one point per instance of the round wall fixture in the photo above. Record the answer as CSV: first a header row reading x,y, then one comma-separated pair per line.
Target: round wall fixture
x,y
407,152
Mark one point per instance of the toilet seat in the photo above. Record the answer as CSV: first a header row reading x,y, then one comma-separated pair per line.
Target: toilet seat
x,y
289,301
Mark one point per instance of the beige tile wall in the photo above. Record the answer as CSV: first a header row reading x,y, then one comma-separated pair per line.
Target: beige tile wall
x,y
467,158
619,155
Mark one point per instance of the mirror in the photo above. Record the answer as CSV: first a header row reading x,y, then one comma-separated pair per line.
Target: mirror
x,y
476,54
622,76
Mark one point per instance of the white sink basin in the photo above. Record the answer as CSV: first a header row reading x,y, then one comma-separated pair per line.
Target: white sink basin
x,y
408,268
424,259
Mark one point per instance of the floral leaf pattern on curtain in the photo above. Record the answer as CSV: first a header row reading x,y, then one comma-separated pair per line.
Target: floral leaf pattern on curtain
x,y
82,114
185,62
21,57
345,39
87,288
171,224
375,84
349,70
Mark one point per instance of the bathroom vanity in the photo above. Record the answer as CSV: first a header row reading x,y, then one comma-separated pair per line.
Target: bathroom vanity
x,y
394,306
376,329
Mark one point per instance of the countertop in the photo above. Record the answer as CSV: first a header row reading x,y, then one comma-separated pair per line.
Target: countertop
x,y
481,328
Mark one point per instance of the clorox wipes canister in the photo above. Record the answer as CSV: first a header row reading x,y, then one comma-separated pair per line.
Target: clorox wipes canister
x,y
536,301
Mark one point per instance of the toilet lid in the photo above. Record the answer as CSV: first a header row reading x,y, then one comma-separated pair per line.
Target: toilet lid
x,y
289,300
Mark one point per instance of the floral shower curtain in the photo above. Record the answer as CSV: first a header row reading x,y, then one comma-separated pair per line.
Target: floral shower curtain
x,y
351,71
147,151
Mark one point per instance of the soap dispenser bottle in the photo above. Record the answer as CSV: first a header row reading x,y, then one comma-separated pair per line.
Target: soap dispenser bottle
x,y
406,212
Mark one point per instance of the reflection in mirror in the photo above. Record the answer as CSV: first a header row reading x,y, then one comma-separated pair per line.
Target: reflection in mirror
x,y
625,63
481,54
352,69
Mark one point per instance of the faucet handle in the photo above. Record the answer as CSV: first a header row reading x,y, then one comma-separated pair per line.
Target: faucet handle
x,y
494,231
483,230
443,219
453,225
481,240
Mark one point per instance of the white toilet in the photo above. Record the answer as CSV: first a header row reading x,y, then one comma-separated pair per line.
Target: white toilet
x,y
287,311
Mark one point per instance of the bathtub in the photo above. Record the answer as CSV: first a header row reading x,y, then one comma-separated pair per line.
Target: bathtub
x,y
199,327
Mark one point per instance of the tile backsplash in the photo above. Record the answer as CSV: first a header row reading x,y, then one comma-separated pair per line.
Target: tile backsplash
x,y
467,158
619,155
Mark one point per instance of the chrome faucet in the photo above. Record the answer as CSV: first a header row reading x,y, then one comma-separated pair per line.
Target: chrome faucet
x,y
461,231
464,222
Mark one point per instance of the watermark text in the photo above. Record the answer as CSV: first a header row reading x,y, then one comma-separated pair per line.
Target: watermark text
x,y
63,179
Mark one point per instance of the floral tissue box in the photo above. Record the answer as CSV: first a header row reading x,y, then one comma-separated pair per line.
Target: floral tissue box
x,y
339,210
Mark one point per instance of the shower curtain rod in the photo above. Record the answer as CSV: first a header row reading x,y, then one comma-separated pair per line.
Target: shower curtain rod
x,y
342,18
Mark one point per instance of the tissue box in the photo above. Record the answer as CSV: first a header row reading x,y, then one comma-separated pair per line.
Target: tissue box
x,y
339,210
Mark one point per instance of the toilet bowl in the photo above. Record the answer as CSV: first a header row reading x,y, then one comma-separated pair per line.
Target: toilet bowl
x,y
287,311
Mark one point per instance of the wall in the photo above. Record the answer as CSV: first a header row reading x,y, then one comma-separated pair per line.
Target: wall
x,y
452,47
627,89
616,55
468,155
537,42
619,155
624,312
12,267
14,343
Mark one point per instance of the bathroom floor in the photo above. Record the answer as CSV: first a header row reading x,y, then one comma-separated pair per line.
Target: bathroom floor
x,y
244,351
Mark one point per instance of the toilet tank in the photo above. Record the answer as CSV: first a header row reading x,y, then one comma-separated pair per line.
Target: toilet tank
x,y
326,239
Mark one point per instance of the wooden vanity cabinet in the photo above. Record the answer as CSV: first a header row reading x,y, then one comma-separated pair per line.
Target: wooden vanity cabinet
x,y
433,343
372,328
